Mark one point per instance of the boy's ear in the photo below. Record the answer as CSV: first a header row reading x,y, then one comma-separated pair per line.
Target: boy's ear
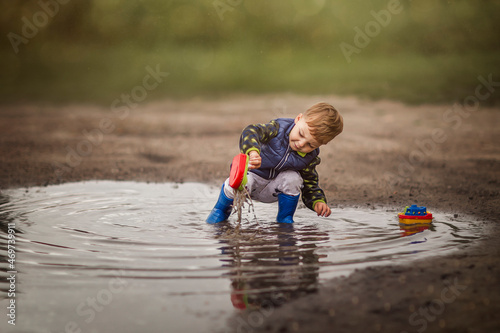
x,y
298,118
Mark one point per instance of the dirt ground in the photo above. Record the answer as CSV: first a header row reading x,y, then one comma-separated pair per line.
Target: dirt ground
x,y
390,155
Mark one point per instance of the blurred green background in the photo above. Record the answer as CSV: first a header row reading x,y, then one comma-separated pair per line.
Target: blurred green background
x,y
431,51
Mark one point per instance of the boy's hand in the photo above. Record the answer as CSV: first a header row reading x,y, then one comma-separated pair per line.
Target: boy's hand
x,y
254,160
322,209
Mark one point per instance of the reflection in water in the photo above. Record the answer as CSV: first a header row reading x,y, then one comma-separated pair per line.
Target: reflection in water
x,y
408,230
272,265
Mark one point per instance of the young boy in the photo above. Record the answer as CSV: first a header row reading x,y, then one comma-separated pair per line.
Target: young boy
x,y
283,155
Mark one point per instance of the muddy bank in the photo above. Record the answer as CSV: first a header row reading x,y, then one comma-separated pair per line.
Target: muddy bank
x,y
389,155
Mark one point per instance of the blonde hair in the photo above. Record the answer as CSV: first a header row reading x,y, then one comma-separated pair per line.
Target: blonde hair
x,y
324,122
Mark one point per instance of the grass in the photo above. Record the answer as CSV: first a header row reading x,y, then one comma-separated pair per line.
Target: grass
x,y
78,74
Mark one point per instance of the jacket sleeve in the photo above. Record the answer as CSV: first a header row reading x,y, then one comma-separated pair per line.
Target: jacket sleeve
x,y
253,136
311,192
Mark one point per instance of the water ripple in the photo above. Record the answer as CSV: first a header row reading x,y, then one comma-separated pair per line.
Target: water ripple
x,y
78,239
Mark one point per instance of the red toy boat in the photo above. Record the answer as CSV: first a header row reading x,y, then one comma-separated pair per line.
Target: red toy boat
x,y
415,215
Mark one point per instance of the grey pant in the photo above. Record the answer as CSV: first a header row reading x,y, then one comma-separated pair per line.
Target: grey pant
x,y
266,190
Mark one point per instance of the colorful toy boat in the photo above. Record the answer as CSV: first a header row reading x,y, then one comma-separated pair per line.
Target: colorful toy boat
x,y
415,215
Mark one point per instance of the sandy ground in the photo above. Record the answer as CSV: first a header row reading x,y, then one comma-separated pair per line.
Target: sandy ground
x,y
390,155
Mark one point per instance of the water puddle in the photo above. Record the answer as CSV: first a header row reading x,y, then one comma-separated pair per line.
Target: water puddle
x,y
124,256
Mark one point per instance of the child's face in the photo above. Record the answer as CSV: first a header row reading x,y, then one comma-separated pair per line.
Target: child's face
x,y
301,139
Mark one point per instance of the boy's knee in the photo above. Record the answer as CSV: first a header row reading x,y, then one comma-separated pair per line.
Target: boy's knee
x,y
228,190
291,182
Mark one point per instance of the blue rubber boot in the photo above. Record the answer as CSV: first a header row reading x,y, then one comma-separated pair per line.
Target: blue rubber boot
x,y
286,207
222,209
